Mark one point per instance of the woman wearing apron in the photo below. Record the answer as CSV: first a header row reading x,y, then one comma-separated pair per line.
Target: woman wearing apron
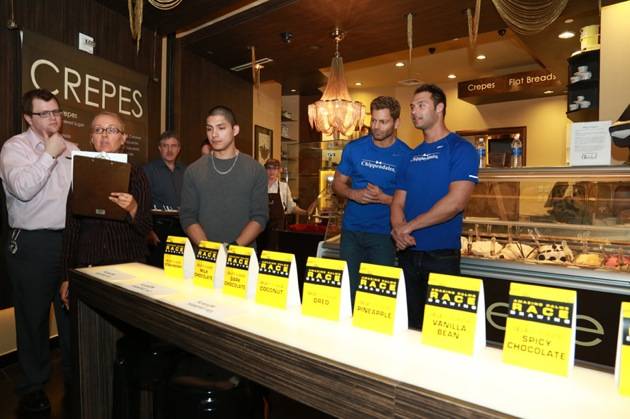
x,y
280,203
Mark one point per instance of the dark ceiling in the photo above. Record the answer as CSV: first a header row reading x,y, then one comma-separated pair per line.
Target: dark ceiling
x,y
372,27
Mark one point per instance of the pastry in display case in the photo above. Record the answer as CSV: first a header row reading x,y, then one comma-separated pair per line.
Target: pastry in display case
x,y
573,217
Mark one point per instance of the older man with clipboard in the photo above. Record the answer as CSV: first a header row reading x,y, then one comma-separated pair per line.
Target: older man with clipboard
x,y
107,219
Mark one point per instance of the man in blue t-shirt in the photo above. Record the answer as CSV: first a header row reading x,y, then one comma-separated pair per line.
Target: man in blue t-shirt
x,y
366,176
433,186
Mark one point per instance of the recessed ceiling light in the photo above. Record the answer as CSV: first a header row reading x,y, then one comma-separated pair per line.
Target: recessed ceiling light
x,y
481,57
451,76
399,64
568,20
293,90
358,83
548,92
566,35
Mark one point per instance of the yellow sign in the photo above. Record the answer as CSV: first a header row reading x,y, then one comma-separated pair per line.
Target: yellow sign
x,y
454,314
207,260
326,294
174,256
274,278
622,366
238,268
540,328
376,301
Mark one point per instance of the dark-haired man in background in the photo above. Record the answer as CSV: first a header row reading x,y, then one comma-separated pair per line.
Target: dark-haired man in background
x,y
165,176
35,167
433,186
366,177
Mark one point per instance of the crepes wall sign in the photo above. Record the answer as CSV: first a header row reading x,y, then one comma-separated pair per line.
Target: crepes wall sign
x,y
85,85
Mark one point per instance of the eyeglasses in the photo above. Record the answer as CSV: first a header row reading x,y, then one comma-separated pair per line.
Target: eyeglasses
x,y
48,114
109,130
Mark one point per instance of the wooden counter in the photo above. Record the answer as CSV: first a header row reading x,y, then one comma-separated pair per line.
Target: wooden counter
x,y
334,367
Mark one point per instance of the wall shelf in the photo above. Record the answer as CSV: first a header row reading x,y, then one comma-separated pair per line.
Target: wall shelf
x,y
584,115
589,88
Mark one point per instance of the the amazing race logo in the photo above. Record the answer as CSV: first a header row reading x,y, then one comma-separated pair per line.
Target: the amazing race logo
x,y
175,249
454,298
378,285
321,276
207,255
550,312
274,267
237,261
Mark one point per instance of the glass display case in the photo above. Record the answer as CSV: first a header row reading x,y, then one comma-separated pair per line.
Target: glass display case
x,y
572,217
556,227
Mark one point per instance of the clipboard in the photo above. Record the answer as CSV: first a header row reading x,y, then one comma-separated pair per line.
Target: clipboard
x,y
93,180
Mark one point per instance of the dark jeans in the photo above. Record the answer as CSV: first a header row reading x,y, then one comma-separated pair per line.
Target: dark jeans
x,y
417,265
359,247
35,273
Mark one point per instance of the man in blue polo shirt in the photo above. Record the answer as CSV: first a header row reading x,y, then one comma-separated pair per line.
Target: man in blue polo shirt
x,y
366,176
433,186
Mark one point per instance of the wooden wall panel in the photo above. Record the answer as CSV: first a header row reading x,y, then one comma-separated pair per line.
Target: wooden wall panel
x,y
200,85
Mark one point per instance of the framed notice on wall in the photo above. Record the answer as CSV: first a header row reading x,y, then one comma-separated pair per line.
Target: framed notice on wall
x,y
263,144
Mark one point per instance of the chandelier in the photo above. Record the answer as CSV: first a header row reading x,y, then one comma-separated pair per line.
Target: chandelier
x,y
336,113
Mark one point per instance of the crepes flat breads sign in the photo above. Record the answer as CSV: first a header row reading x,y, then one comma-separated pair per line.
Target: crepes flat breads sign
x,y
85,85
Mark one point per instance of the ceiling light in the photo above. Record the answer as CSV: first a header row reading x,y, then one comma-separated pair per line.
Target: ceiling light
x,y
451,76
566,35
358,83
548,92
336,113
568,20
399,64
481,57
293,90
259,62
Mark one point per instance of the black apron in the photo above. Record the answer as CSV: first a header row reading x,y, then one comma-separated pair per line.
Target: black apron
x,y
276,221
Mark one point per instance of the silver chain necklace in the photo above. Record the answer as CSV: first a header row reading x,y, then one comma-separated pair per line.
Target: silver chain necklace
x,y
226,171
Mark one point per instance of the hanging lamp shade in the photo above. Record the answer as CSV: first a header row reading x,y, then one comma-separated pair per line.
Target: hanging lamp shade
x,y
336,113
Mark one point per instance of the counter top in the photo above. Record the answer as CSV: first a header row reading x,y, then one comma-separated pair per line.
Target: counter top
x,y
301,356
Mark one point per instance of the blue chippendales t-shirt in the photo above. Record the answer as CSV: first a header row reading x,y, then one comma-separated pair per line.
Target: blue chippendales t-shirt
x,y
365,163
426,175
